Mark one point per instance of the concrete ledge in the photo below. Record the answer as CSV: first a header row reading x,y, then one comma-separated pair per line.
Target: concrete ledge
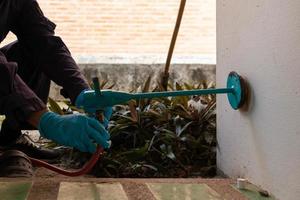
x,y
145,59
132,76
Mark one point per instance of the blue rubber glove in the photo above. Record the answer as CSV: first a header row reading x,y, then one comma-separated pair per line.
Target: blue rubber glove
x,y
107,115
75,130
80,103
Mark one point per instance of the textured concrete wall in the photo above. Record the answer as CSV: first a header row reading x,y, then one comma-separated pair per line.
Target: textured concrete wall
x,y
260,39
131,76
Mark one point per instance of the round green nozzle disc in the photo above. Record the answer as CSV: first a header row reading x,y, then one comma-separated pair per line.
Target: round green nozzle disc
x,y
236,99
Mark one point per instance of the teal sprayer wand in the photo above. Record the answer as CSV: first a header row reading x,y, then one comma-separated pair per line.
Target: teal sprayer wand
x,y
97,100
107,98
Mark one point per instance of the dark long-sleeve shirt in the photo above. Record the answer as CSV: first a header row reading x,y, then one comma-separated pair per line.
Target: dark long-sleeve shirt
x,y
36,34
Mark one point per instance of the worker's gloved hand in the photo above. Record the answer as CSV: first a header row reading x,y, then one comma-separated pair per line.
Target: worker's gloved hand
x,y
81,102
74,130
107,115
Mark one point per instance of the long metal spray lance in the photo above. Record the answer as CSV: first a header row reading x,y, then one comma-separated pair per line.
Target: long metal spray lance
x,y
237,91
182,93
107,98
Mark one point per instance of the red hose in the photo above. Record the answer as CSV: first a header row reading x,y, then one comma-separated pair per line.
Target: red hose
x,y
85,169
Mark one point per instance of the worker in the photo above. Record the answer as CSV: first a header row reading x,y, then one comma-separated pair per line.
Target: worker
x,y
26,68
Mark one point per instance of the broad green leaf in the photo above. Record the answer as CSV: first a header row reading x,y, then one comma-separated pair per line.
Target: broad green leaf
x,y
184,128
136,154
171,87
211,85
54,107
150,167
178,86
118,128
188,87
170,153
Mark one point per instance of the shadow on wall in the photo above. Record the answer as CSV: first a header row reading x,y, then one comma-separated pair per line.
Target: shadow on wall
x,y
127,77
257,145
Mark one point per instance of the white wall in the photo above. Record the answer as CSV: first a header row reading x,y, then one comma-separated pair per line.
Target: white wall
x,y
260,39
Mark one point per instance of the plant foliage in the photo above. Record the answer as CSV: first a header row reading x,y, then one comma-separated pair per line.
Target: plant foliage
x,y
162,137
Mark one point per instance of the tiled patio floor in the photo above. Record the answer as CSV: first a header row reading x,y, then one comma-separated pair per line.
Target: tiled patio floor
x,y
61,188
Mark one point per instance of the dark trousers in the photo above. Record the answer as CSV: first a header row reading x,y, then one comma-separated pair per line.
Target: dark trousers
x,y
35,79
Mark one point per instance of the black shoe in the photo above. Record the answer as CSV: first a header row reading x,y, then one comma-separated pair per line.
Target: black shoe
x,y
25,144
15,164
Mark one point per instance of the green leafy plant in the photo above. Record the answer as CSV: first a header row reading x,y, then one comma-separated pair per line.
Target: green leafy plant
x,y
161,137
166,137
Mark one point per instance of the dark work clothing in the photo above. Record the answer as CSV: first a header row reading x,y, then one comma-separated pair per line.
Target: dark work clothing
x,y
28,65
36,81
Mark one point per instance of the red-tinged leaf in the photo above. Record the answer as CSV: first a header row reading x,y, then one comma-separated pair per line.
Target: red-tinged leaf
x,y
133,111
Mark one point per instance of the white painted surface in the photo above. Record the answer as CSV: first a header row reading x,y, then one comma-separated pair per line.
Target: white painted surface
x,y
260,39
